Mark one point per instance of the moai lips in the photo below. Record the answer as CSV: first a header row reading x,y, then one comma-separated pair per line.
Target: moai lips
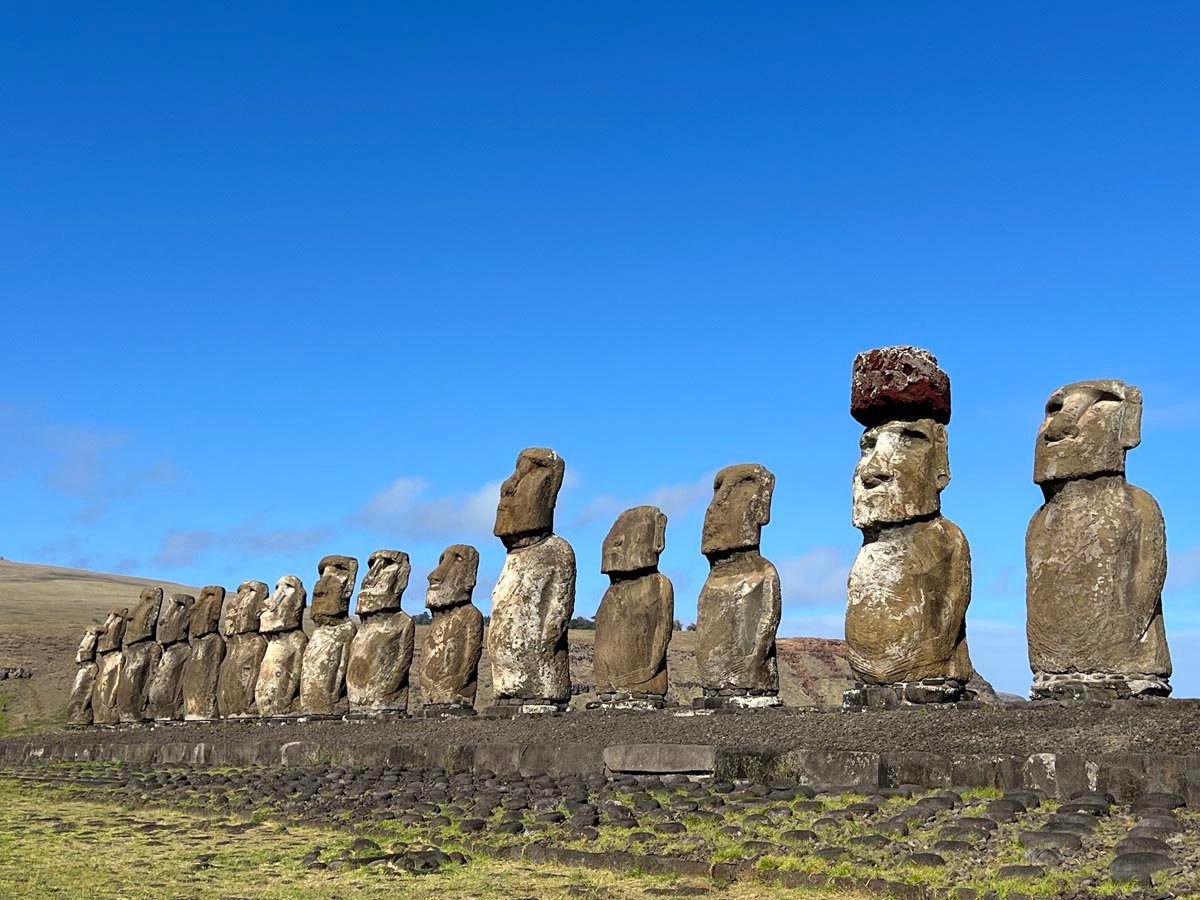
x,y
636,614
1095,553
454,642
381,651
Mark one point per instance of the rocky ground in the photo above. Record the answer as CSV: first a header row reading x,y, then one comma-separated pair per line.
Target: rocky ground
x,y
903,841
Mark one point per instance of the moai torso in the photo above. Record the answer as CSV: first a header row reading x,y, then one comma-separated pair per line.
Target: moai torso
x,y
738,611
244,651
454,642
327,656
381,651
165,701
637,613
277,688
140,655
206,652
79,706
1096,550
534,599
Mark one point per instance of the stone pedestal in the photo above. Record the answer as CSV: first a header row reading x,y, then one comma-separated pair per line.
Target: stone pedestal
x,y
737,698
906,693
1087,686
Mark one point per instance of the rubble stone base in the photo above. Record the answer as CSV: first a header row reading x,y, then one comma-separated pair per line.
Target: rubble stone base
x,y
906,693
737,698
507,707
444,710
1084,686
629,700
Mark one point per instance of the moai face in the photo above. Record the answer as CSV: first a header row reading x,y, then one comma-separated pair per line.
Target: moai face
x,y
740,506
173,618
206,612
453,581
334,587
527,497
284,609
900,476
635,541
144,619
383,585
113,633
1088,427
87,646
243,610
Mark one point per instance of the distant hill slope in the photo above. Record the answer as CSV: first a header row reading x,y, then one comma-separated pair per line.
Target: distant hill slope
x,y
44,609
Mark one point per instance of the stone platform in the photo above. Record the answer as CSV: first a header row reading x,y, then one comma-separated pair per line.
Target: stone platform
x,y
1127,748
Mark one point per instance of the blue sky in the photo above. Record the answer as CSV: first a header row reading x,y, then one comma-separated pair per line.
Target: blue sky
x,y
280,281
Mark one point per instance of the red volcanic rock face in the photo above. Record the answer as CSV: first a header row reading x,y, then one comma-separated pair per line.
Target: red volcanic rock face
x,y
898,383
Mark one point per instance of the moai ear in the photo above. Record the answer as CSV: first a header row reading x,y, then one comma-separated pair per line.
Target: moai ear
x,y
941,456
660,532
1131,424
762,511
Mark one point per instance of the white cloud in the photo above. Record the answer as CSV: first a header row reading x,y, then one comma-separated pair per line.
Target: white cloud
x,y
676,500
403,507
182,546
816,576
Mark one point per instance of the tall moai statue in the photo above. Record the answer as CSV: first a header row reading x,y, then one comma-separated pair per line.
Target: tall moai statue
x,y
381,653
108,668
534,599
636,614
166,685
738,611
79,707
140,654
277,690
206,652
327,656
1095,553
910,584
454,643
244,651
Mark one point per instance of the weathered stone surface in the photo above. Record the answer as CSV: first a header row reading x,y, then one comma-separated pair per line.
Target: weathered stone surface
x,y
243,609
112,634
284,609
381,655
1095,551
277,690
385,582
659,759
910,583
87,646
323,672
143,621
138,662
173,618
637,613
165,695
79,706
239,672
104,698
453,581
454,641
737,613
206,612
334,588
201,674
535,597
898,383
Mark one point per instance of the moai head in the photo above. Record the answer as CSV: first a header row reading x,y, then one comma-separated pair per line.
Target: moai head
x,y
334,588
528,495
284,609
635,541
243,609
173,618
206,612
452,582
87,646
385,581
740,507
891,383
144,618
901,473
113,633
1089,425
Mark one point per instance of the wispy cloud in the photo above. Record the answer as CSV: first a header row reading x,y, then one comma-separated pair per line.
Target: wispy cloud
x,y
181,547
676,500
816,576
406,508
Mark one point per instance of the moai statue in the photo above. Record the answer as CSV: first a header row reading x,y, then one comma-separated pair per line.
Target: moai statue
x,y
244,651
1095,553
454,642
206,652
910,584
327,656
79,707
277,691
738,611
636,615
166,685
140,655
534,599
381,652
108,668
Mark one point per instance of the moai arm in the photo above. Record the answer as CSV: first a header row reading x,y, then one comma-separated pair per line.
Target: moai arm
x,y
956,599
768,625
666,620
1150,573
